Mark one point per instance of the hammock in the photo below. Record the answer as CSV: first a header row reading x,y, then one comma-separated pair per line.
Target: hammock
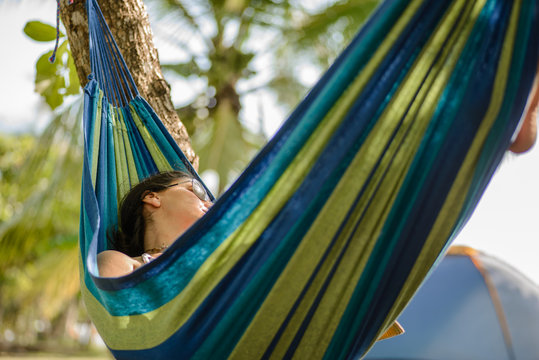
x,y
321,242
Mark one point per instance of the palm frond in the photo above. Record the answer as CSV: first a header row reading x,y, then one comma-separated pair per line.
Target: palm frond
x,y
45,187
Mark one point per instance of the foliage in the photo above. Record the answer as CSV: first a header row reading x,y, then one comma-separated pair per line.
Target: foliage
x,y
39,197
39,194
322,34
54,81
40,32
241,48
40,185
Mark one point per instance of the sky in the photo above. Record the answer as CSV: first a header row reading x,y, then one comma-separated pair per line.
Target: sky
x,y
505,223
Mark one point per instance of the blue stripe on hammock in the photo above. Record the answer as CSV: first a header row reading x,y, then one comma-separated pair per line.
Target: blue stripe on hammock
x,y
91,96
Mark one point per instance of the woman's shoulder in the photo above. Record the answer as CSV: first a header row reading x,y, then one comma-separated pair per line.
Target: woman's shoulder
x,y
112,263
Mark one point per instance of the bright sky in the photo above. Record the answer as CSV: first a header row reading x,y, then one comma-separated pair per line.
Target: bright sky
x,y
505,224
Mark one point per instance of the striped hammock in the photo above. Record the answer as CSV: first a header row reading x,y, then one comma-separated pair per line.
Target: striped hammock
x,y
325,237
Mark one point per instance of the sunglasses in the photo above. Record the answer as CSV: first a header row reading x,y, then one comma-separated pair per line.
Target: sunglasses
x,y
198,188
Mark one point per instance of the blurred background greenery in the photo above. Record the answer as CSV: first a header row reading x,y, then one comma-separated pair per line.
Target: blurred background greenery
x,y
236,68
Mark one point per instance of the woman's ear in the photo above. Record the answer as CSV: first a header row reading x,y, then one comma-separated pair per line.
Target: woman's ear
x,y
151,198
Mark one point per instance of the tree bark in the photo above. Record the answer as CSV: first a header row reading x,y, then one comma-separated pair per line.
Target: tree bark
x,y
130,26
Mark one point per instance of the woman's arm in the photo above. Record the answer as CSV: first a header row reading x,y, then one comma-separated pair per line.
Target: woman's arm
x,y
112,263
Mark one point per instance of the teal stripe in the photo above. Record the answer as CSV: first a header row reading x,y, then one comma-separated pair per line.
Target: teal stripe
x,y
88,232
110,215
89,146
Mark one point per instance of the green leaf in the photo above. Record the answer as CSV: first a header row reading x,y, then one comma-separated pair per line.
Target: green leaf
x,y
56,80
53,95
44,67
48,80
39,31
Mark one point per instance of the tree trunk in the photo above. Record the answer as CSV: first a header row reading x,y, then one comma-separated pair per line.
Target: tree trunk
x,y
130,26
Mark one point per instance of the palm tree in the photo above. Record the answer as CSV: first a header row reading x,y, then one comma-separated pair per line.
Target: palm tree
x,y
254,50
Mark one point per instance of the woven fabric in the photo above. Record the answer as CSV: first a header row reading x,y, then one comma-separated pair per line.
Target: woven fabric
x,y
321,242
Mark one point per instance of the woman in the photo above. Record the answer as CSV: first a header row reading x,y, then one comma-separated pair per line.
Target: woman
x,y
152,216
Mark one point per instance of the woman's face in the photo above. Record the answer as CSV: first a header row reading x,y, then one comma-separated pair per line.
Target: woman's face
x,y
178,206
181,203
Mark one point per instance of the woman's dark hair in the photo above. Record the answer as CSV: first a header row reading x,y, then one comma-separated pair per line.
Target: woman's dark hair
x,y
128,236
